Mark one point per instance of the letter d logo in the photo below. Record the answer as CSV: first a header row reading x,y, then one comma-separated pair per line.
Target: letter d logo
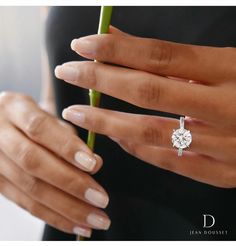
x,y
206,222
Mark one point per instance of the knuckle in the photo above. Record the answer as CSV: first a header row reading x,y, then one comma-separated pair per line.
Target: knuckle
x,y
99,124
149,93
108,46
67,148
111,46
35,124
31,186
151,135
8,96
160,55
89,73
26,158
34,208
94,75
75,184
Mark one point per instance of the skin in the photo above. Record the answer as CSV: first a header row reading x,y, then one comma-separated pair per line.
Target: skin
x,y
38,169
190,80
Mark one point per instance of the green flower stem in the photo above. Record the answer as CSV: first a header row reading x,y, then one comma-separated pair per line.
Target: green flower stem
x,y
94,96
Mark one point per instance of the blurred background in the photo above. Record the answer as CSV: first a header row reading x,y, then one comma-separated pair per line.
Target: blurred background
x,y
21,38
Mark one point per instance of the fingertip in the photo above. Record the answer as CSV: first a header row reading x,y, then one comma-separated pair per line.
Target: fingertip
x,y
73,44
85,161
84,232
99,159
57,71
64,113
99,163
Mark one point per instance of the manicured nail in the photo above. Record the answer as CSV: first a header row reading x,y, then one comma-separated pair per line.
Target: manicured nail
x,y
66,73
85,160
97,198
83,45
98,221
82,232
73,116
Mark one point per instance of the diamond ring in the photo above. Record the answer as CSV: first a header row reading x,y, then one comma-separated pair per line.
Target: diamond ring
x,y
181,138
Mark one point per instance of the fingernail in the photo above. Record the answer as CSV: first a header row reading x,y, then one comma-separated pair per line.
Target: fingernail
x,y
82,232
66,73
97,198
83,45
73,116
98,221
85,160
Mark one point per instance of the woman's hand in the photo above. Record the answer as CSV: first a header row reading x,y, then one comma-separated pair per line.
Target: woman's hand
x,y
43,168
148,79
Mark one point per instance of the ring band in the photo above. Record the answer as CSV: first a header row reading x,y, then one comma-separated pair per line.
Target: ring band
x,y
181,138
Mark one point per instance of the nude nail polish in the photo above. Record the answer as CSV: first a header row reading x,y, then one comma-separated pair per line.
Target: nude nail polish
x,y
73,116
84,45
97,198
85,160
66,73
98,221
82,232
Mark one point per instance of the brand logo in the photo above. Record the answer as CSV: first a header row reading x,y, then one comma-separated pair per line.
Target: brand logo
x,y
208,221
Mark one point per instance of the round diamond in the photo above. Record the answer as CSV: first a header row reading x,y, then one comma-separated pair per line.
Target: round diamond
x,y
181,138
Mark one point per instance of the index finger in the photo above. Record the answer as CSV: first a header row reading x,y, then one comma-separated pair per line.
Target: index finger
x,y
200,63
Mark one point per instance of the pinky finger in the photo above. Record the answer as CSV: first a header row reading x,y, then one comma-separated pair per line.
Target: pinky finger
x,y
197,167
40,211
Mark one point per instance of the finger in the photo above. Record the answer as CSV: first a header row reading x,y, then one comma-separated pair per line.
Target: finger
x,y
47,131
148,90
145,90
200,63
197,167
42,212
41,164
69,207
67,126
152,130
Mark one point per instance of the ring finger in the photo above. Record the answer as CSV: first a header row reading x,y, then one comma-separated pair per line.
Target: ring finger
x,y
152,130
